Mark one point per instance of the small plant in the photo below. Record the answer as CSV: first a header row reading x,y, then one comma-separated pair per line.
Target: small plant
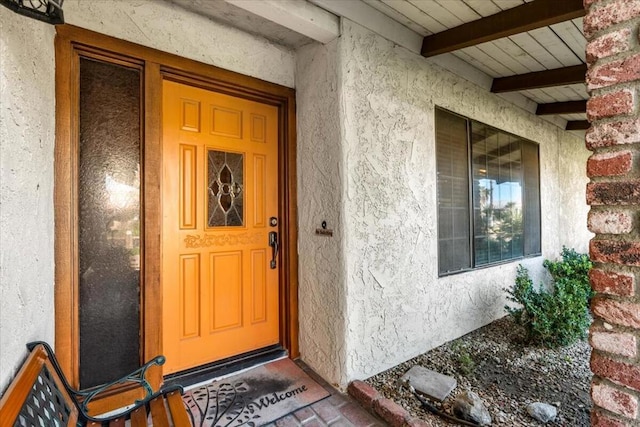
x,y
466,364
556,317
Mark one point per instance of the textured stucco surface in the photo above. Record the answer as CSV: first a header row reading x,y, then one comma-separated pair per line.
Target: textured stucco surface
x,y
167,27
27,131
397,306
573,155
320,187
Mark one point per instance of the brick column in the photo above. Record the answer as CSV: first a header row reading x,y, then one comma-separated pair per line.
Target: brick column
x,y
613,81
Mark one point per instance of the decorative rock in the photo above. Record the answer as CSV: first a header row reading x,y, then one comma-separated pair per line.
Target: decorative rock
x,y
430,383
468,406
542,412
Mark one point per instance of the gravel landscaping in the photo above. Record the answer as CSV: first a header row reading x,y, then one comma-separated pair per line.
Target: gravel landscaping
x,y
507,374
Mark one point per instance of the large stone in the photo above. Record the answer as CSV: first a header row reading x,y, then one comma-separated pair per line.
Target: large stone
x,y
430,383
469,407
542,412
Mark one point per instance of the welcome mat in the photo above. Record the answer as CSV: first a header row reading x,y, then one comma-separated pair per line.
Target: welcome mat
x,y
253,398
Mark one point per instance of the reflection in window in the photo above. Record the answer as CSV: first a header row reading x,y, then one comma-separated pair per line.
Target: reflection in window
x,y
225,189
497,195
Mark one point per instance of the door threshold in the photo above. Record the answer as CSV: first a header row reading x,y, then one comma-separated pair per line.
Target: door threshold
x,y
225,367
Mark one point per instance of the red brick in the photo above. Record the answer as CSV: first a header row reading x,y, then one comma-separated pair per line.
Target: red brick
x,y
617,312
621,193
610,104
608,45
610,222
627,253
356,415
363,393
304,414
391,412
338,400
618,372
614,400
600,420
608,282
609,164
613,73
326,411
602,17
614,342
616,133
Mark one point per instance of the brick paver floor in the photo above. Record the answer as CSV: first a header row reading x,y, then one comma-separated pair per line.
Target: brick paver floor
x,y
337,410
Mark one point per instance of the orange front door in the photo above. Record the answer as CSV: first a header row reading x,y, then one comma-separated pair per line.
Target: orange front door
x,y
219,193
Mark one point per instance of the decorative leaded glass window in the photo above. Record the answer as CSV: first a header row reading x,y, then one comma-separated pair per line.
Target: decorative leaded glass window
x,y
226,182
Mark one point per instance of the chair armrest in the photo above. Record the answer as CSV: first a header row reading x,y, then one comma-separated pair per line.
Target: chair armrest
x,y
84,397
137,378
126,413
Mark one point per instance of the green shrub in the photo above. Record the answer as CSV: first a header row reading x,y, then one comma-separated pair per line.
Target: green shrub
x,y
559,316
574,266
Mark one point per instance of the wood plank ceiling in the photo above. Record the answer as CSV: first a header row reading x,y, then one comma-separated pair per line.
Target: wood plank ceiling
x,y
534,47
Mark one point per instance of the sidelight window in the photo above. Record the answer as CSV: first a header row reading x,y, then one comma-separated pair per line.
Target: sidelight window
x,y
109,211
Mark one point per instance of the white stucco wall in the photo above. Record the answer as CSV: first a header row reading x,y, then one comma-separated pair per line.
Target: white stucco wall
x,y
320,186
396,306
167,27
572,165
27,103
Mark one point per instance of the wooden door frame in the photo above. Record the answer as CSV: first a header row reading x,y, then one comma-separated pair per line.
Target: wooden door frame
x,y
73,41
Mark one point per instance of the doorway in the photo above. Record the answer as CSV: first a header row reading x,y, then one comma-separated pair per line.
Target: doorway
x,y
239,206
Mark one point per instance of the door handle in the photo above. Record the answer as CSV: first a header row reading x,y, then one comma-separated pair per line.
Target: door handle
x,y
273,242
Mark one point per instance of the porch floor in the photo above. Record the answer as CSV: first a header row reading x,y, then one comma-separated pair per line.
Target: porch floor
x,y
337,410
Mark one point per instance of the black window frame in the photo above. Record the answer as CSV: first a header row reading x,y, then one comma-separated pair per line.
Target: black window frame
x,y
530,195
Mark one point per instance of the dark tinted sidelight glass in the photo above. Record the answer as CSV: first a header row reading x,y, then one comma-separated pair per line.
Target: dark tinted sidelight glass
x,y
109,221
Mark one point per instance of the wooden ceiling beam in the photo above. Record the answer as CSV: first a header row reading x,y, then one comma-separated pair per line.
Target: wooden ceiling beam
x,y
529,16
540,79
569,107
577,125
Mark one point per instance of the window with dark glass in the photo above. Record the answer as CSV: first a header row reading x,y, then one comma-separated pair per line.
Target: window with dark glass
x,y
109,239
488,194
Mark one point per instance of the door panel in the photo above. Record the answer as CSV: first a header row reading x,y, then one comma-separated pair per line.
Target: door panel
x,y
220,294
190,295
187,201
